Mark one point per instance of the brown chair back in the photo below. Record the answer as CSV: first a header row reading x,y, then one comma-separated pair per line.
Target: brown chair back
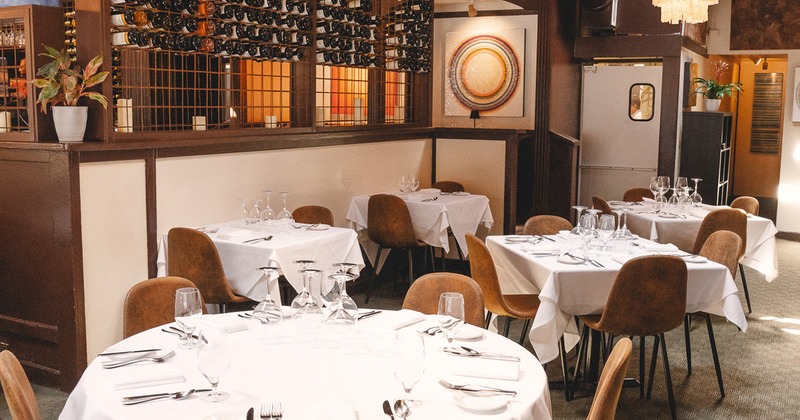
x,y
546,224
637,194
423,295
482,269
734,220
648,297
389,222
193,256
748,204
723,247
151,303
448,186
313,214
17,389
601,204
604,405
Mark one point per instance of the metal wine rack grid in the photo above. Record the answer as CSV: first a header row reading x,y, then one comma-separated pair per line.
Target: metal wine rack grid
x,y
13,88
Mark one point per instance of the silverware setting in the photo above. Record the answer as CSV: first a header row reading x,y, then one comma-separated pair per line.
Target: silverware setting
x,y
477,389
177,331
430,199
431,331
585,260
387,409
367,314
180,395
114,353
468,352
254,240
271,411
156,359
246,315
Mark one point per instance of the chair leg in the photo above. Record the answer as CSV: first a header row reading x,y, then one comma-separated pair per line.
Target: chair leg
x,y
744,286
488,319
432,254
507,327
223,307
668,378
652,367
562,351
525,327
579,361
374,273
715,355
687,320
641,366
410,268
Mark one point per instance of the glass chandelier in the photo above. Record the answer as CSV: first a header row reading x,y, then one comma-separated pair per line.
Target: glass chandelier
x,y
689,11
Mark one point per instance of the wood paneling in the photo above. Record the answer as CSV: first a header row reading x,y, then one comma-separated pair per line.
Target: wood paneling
x,y
765,25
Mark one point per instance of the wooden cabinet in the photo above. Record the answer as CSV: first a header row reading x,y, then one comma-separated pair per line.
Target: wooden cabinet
x,y
706,153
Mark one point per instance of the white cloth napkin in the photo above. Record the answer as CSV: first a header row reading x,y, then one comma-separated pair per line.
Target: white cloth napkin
x,y
430,190
648,200
621,258
660,248
229,233
399,319
477,367
541,247
225,325
141,376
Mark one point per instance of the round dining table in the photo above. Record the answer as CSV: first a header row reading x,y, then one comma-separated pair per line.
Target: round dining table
x,y
318,371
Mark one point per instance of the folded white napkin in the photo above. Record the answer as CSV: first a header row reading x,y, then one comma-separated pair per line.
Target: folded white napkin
x,y
660,248
477,367
699,212
621,258
225,325
398,319
541,247
141,376
648,200
430,190
229,233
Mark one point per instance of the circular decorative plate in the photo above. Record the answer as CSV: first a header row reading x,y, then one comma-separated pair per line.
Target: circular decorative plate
x,y
484,72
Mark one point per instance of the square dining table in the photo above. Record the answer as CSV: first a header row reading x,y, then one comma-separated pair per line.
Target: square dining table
x,y
432,212
680,228
241,257
569,289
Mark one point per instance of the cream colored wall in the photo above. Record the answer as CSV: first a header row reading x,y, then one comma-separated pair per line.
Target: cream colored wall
x,y
480,166
114,232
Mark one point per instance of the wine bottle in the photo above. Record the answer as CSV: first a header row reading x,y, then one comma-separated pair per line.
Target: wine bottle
x,y
206,28
189,24
189,7
207,9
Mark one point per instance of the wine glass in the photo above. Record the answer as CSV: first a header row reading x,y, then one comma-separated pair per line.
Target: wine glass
x,y
268,309
654,186
188,312
267,214
284,216
404,183
577,229
450,314
244,212
408,361
348,304
696,198
606,226
588,223
255,213
304,304
213,359
339,313
663,187
413,184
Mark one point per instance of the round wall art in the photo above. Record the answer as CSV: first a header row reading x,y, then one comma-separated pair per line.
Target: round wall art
x,y
484,72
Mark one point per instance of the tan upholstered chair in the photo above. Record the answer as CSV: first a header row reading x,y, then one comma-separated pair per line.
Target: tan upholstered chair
x,y
17,389
151,303
637,194
601,204
748,204
423,295
389,225
734,220
313,214
193,256
604,405
722,247
648,298
448,186
546,224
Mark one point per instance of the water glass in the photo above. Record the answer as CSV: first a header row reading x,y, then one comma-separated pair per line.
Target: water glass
x,y
408,360
450,314
188,312
213,359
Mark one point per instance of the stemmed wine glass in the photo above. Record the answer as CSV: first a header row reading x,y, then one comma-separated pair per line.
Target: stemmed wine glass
x,y
696,198
244,212
268,309
622,232
408,360
413,184
588,223
188,312
577,229
663,187
304,304
213,359
348,304
605,229
654,186
404,183
339,315
267,215
284,216
450,314
255,213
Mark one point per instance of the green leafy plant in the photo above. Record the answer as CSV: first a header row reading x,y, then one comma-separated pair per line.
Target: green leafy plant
x,y
61,82
712,89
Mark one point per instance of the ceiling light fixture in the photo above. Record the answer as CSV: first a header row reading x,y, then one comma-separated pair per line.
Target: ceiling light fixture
x,y
689,11
471,11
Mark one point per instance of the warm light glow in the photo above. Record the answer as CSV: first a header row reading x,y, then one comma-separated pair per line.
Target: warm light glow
x,y
794,321
689,11
789,193
791,331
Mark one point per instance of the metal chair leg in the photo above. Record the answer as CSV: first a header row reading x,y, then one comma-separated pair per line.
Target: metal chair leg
x,y
715,355
562,351
507,327
525,327
744,286
641,366
374,273
687,320
488,319
223,307
652,367
579,361
668,378
410,267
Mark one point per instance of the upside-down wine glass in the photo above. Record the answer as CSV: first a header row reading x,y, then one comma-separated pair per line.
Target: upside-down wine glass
x,y
268,310
450,314
244,212
304,304
284,216
255,212
577,229
348,304
588,223
339,314
408,361
623,232
696,198
213,359
605,229
267,214
188,312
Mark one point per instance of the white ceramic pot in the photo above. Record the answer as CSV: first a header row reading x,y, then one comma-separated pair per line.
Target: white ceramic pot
x,y
712,105
70,122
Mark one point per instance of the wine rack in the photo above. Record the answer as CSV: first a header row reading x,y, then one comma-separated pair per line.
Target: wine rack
x,y
408,36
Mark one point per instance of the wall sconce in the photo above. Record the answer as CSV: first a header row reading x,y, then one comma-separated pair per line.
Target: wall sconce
x,y
471,11
764,65
474,115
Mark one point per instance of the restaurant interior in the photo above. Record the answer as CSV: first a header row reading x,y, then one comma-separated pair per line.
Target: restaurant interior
x,y
278,131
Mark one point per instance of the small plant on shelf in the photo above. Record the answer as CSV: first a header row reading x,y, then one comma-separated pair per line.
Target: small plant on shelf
x,y
712,89
63,83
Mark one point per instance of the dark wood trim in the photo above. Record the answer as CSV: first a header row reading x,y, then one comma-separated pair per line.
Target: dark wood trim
x,y
670,107
74,338
486,13
789,236
511,190
152,213
628,46
693,46
28,328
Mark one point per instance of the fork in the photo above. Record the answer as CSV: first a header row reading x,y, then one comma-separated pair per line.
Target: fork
x,y
271,411
157,359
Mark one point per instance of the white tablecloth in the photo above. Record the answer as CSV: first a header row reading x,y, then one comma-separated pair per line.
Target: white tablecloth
x,y
314,371
461,213
241,260
760,253
566,290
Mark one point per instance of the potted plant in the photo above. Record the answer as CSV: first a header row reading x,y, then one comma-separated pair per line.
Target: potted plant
x,y
715,91
64,84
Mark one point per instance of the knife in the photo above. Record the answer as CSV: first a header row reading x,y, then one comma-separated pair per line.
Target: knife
x,y
114,353
387,409
368,314
250,413
254,240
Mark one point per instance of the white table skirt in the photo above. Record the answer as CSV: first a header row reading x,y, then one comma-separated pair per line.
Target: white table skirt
x,y
241,261
566,290
461,213
314,371
760,252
